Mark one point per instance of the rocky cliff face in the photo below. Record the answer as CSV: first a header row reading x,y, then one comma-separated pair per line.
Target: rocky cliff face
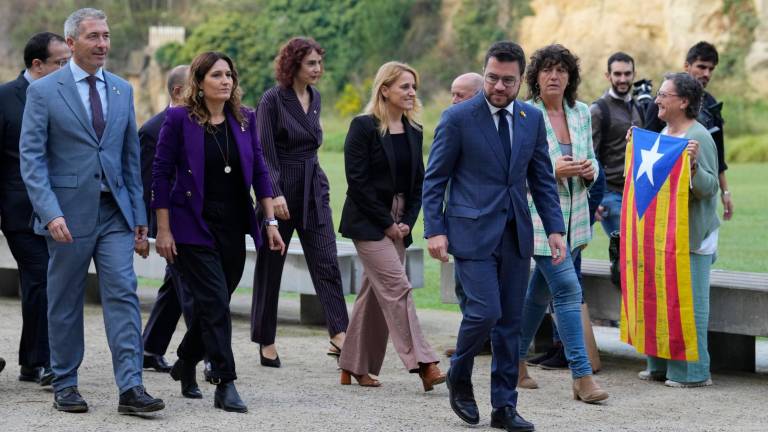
x,y
657,33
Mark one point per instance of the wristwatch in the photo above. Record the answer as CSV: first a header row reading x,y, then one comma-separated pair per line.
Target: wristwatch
x,y
270,222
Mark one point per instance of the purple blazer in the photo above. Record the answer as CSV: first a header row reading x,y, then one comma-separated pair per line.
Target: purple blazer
x,y
181,154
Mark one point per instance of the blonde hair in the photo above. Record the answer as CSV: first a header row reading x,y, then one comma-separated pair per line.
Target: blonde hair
x,y
386,76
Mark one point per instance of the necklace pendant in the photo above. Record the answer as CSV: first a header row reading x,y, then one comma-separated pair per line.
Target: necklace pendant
x,y
227,169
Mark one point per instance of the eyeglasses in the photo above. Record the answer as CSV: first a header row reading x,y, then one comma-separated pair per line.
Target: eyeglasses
x,y
506,81
664,95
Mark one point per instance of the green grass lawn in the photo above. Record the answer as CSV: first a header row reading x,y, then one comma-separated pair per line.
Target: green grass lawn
x,y
743,241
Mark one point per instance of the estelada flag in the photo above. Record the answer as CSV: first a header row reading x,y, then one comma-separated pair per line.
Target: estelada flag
x,y
656,293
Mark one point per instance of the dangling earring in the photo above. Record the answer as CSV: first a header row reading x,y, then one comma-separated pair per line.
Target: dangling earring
x,y
200,94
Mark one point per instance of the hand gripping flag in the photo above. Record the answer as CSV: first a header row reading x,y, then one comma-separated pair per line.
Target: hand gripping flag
x,y
656,293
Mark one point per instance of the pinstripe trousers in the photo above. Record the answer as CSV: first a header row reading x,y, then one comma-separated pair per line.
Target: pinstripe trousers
x,y
319,244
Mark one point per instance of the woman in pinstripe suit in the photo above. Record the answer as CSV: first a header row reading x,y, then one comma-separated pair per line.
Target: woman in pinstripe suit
x,y
288,121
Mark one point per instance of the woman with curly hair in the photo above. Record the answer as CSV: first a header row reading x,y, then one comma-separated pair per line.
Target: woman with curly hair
x,y
209,145
553,81
288,122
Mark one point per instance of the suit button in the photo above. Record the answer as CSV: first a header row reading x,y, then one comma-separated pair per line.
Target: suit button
x,y
101,149
96,176
189,194
189,171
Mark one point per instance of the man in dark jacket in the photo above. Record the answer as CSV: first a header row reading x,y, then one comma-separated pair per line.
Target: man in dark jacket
x,y
43,54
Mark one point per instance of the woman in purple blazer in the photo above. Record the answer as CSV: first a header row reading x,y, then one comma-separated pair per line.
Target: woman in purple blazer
x,y
209,145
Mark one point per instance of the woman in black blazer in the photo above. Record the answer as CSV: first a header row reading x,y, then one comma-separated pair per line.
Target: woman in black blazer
x,y
385,170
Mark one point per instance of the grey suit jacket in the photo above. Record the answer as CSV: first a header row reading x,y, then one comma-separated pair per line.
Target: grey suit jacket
x,y
62,160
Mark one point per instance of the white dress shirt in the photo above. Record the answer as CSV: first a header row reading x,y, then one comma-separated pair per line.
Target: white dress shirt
x,y
495,117
84,89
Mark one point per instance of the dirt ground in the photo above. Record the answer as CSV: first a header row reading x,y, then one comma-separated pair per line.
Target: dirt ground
x,y
305,395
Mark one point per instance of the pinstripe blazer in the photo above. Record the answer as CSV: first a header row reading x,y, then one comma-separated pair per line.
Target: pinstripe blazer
x,y
574,206
290,138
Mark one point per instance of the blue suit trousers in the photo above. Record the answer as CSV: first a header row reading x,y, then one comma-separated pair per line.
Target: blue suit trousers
x,y
111,247
495,291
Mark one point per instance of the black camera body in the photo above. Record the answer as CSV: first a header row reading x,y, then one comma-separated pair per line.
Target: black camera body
x,y
642,91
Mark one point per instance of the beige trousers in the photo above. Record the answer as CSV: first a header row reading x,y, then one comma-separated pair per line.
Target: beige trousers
x,y
384,307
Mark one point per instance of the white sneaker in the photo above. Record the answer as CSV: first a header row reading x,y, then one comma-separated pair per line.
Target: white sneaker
x,y
647,375
675,384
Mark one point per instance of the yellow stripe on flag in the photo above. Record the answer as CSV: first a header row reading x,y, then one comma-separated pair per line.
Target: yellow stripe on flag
x,y
640,288
660,247
684,287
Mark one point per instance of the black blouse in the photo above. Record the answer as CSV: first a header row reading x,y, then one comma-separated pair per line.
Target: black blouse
x,y
224,181
402,162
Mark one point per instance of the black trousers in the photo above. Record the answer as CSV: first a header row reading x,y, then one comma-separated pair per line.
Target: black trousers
x,y
31,254
212,274
319,244
173,300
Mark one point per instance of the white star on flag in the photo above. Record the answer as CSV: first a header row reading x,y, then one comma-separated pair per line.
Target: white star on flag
x,y
649,158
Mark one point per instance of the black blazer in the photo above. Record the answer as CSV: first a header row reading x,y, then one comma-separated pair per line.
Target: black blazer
x,y
15,207
369,162
148,135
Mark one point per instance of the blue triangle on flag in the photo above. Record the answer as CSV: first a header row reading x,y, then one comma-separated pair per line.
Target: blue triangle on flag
x,y
654,157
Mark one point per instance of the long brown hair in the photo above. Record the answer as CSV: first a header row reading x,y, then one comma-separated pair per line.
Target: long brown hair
x,y
288,60
195,103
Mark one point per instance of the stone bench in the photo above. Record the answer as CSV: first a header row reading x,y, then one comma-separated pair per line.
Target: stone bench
x,y
738,305
295,276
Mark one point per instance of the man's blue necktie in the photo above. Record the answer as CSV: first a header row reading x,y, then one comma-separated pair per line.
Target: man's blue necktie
x,y
506,142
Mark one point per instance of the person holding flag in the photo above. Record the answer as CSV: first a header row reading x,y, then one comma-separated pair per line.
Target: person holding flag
x,y
672,186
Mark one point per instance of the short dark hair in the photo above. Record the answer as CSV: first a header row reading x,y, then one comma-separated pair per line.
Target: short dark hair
x,y
549,56
620,57
37,47
288,60
702,51
506,51
688,88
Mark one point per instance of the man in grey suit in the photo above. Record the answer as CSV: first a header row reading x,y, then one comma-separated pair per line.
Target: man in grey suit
x,y
79,154
491,149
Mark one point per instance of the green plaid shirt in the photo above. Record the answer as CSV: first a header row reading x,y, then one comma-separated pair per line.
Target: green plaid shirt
x,y
574,206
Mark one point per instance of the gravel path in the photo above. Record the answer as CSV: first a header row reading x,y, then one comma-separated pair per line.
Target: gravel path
x,y
305,394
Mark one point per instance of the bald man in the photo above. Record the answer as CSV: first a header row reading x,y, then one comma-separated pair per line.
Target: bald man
x,y
465,86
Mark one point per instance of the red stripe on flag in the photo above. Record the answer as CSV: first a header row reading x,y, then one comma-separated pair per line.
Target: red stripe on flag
x,y
627,214
676,339
649,269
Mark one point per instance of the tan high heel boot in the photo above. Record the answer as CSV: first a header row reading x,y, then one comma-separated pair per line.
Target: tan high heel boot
x,y
587,390
589,340
523,379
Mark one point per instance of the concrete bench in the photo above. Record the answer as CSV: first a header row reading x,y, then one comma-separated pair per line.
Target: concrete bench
x,y
738,305
295,276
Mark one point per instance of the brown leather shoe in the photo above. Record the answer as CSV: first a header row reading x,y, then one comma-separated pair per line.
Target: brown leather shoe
x,y
430,375
587,390
362,380
523,379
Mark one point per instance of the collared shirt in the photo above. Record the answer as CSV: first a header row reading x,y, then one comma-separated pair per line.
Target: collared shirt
x,y
495,117
626,98
84,89
28,76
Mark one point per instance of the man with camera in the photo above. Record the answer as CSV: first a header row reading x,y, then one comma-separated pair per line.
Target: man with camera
x,y
612,115
700,63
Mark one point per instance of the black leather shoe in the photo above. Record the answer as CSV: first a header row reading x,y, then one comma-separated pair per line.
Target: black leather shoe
x,y
69,400
137,400
2,364
508,419
268,362
185,373
29,374
156,362
556,361
46,376
462,400
227,398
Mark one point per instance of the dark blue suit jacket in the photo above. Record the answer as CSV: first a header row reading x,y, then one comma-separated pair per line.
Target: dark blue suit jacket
x,y
485,191
148,136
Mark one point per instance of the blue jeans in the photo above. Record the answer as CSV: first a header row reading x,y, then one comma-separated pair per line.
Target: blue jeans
x,y
611,212
560,284
690,372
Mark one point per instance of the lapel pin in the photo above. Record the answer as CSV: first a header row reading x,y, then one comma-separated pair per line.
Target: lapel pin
x,y
114,89
522,114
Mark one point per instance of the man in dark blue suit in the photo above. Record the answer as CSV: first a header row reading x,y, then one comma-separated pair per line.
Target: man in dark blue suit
x,y
489,148
44,53
171,298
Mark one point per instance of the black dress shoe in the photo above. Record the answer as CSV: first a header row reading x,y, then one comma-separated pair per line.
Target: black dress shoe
x,y
268,362
69,400
2,364
29,374
536,360
556,361
46,376
181,371
227,398
462,400
156,362
137,400
508,419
